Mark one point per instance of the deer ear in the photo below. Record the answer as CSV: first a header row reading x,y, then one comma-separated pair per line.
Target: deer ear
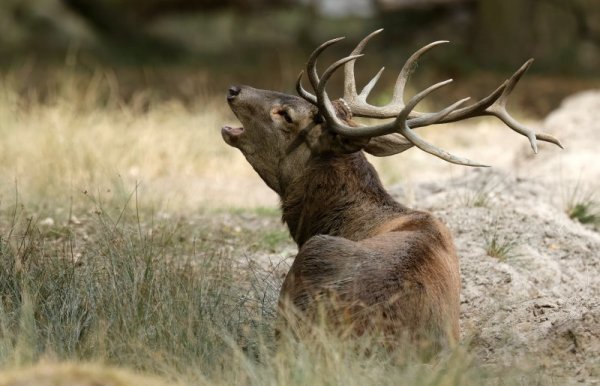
x,y
387,145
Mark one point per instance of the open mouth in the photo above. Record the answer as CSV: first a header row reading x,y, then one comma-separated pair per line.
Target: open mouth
x,y
231,134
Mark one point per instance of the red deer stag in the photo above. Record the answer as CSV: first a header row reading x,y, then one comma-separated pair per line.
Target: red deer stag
x,y
391,269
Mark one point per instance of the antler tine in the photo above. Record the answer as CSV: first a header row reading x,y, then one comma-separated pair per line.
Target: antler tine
x,y
349,79
302,92
403,115
324,103
399,125
512,81
311,65
358,103
549,138
367,89
433,118
311,71
407,69
495,104
498,108
330,70
440,153
468,111
408,133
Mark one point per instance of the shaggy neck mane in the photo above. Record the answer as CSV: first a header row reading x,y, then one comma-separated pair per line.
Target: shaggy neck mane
x,y
338,195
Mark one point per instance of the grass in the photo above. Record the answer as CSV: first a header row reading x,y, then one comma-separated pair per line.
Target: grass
x,y
123,289
71,144
583,205
125,295
479,198
480,194
126,234
501,245
272,240
586,212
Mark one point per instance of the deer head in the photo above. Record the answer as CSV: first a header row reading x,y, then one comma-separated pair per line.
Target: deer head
x,y
272,123
281,132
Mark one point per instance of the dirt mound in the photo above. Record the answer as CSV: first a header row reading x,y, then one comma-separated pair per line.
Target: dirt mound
x,y
530,274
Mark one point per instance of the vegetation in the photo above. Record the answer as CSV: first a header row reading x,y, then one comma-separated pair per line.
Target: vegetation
x,y
583,205
586,212
160,297
501,245
479,196
501,248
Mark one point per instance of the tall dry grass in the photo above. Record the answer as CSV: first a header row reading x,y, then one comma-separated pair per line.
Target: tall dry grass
x,y
161,296
169,303
83,138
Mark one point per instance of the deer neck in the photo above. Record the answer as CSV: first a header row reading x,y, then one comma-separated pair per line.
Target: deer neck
x,y
338,196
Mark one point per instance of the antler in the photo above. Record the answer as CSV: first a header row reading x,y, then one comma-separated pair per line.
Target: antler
x,y
407,119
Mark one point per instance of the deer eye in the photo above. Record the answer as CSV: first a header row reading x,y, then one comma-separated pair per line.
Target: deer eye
x,y
286,115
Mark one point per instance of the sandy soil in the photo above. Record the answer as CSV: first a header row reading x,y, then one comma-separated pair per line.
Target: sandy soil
x,y
538,302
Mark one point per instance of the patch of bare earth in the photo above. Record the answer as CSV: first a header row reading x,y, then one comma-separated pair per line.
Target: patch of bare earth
x,y
535,302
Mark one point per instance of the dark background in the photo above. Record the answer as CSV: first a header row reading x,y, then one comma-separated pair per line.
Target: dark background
x,y
184,49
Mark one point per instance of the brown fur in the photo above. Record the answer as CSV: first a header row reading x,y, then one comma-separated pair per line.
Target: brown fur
x,y
379,257
368,262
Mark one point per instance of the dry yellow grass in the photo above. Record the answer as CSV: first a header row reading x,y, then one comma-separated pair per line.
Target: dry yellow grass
x,y
84,139
56,150
76,374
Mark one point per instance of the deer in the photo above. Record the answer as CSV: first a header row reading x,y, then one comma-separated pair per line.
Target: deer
x,y
390,269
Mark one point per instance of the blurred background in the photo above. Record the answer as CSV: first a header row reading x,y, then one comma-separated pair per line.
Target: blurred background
x,y
175,48
110,95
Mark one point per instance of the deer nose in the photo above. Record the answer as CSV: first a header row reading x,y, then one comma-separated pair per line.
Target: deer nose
x,y
233,92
